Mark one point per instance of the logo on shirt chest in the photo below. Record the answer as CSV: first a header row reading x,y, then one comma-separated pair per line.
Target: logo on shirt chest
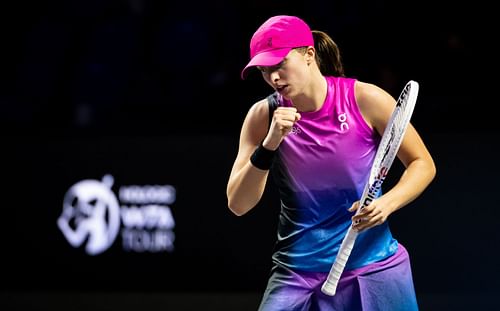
x,y
295,130
342,118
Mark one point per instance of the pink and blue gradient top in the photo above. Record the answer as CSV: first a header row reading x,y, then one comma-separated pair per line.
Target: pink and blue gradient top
x,y
321,169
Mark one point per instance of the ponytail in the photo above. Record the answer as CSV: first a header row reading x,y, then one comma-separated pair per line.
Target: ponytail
x,y
327,55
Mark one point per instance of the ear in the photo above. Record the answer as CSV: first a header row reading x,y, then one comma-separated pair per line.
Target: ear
x,y
310,54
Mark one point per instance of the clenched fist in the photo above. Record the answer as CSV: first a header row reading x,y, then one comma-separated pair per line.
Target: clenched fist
x,y
281,124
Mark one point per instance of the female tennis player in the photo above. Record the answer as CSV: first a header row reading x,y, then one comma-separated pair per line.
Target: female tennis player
x,y
317,133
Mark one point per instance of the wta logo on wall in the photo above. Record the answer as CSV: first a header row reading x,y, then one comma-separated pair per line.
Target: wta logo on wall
x,y
95,216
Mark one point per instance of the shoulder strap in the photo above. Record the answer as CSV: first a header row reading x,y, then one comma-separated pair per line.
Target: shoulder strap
x,y
272,101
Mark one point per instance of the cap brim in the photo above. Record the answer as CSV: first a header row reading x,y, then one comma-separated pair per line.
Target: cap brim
x,y
267,58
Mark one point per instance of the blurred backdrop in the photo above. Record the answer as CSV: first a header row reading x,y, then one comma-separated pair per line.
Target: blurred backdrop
x,y
129,111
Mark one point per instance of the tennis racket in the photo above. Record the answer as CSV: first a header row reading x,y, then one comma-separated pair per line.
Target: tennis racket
x,y
386,153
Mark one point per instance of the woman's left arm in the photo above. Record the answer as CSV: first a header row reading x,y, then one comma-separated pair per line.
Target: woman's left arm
x,y
376,106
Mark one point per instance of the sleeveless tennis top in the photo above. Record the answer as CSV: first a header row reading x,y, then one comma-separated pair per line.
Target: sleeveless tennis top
x,y
320,169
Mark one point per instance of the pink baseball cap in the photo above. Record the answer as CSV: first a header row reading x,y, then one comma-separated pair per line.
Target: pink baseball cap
x,y
275,38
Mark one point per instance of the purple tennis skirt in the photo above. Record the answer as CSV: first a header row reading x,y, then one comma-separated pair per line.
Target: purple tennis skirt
x,y
385,285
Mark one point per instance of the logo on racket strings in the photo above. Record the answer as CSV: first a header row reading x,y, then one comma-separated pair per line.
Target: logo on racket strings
x,y
387,149
375,186
404,96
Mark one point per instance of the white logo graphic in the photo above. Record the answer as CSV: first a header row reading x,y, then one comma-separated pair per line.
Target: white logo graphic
x,y
295,130
90,213
343,122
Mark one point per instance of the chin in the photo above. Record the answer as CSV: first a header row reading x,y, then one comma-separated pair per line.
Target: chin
x,y
287,95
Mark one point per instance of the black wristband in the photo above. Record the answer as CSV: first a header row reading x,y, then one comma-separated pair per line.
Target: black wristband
x,y
262,158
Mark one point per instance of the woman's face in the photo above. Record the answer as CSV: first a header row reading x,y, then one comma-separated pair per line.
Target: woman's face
x,y
290,76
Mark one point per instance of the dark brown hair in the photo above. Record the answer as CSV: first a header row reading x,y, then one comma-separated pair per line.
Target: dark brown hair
x,y
327,55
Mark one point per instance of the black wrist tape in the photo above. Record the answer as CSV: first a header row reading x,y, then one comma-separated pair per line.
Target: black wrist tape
x,y
262,158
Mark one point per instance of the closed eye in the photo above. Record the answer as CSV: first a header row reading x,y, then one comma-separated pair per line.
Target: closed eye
x,y
268,69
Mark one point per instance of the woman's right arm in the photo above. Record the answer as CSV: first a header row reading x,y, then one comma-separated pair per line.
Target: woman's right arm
x,y
246,183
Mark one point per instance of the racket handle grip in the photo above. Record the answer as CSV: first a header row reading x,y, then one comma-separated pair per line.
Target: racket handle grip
x,y
330,285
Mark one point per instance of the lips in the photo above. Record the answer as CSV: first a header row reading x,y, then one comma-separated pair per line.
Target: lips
x,y
281,88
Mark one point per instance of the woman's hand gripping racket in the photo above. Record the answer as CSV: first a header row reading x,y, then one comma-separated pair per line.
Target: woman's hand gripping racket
x,y
389,144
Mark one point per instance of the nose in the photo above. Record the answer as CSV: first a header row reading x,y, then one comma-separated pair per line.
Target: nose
x,y
274,76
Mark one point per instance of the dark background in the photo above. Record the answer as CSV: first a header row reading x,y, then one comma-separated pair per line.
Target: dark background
x,y
149,91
